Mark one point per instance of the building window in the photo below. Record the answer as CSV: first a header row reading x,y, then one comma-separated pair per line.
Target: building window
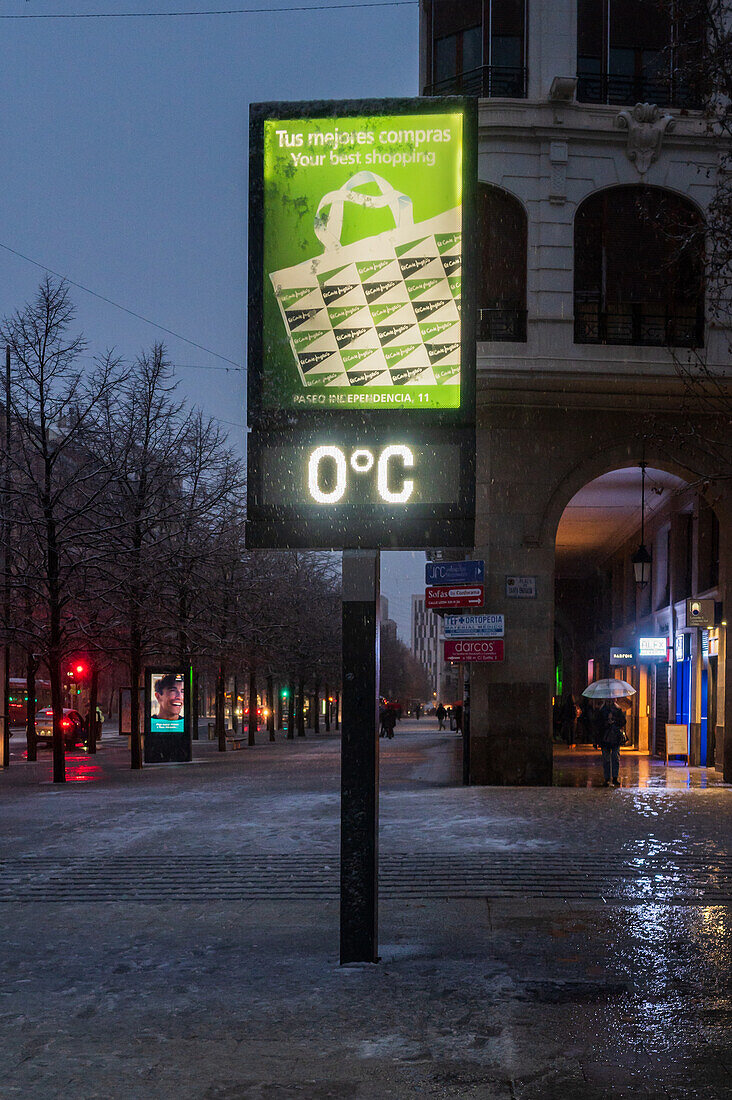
x,y
502,236
637,51
638,269
477,47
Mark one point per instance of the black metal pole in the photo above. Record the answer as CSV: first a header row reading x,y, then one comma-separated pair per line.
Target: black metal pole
x,y
360,758
466,726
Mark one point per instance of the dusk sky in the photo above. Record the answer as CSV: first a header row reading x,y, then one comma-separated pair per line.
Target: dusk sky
x,y
125,169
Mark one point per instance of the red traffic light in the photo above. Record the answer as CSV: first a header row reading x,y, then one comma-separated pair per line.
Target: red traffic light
x,y
78,670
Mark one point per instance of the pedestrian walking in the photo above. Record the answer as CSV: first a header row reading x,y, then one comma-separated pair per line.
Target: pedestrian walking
x,y
441,715
610,735
382,721
389,722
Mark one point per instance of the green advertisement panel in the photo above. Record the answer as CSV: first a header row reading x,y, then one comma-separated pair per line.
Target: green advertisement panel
x,y
362,261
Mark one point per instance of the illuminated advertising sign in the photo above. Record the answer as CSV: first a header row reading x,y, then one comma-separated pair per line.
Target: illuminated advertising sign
x,y
621,655
167,703
361,356
653,649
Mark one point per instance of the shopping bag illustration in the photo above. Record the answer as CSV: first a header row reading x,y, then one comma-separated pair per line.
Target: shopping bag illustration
x,y
383,311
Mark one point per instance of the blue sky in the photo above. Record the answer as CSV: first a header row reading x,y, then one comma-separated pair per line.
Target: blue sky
x,y
125,167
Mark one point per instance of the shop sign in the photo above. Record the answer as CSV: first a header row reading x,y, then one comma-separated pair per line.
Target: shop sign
x,y
714,645
653,649
682,647
474,626
474,649
521,588
454,596
700,613
621,655
677,740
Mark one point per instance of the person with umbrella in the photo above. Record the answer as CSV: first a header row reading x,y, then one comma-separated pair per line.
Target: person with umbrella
x,y
610,725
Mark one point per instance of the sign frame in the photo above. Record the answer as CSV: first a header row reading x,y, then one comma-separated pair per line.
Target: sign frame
x,y
484,650
452,630
438,596
651,656
514,581
469,571
308,525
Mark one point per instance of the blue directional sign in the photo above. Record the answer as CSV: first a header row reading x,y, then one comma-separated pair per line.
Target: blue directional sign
x,y
455,572
473,626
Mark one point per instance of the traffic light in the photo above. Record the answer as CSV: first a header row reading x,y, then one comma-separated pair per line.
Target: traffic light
x,y
284,693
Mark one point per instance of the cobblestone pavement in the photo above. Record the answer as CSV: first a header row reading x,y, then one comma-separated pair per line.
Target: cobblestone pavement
x,y
174,933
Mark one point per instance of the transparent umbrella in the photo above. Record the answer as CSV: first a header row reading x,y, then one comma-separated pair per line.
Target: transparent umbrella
x,y
609,689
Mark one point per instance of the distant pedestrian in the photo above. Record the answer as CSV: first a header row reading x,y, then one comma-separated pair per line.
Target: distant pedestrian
x,y
389,722
441,715
418,711
610,736
382,721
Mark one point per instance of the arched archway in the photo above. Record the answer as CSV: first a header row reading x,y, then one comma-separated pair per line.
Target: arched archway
x,y
639,268
601,614
502,235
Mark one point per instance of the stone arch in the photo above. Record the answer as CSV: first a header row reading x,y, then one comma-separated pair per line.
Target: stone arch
x,y
604,461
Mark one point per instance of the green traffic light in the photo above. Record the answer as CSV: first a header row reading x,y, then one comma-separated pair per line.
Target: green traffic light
x,y
284,694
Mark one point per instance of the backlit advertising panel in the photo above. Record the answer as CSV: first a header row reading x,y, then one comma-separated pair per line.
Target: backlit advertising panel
x,y
361,355
167,706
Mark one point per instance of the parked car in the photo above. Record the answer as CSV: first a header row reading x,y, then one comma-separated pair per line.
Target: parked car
x,y
72,726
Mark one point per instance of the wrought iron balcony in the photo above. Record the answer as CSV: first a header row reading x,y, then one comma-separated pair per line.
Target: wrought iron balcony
x,y
629,90
644,324
502,320
488,82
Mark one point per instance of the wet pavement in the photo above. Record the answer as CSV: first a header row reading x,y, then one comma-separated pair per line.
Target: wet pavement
x,y
582,767
174,933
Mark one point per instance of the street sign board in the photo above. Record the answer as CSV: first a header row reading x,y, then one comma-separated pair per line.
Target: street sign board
x,y
521,588
700,613
622,655
470,595
361,353
454,572
473,626
474,649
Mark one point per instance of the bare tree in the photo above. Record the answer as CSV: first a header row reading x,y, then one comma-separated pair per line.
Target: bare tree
x,y
57,481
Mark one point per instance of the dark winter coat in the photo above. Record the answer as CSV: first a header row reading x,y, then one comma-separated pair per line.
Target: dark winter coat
x,y
612,730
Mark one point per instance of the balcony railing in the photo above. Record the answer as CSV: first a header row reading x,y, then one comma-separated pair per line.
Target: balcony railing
x,y
502,321
644,324
489,82
629,90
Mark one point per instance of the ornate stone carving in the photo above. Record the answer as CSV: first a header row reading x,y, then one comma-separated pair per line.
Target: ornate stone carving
x,y
646,126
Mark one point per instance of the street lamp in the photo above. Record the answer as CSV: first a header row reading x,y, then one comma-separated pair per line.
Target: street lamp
x,y
642,559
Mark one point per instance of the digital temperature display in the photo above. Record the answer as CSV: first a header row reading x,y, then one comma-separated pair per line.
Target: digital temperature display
x,y
324,489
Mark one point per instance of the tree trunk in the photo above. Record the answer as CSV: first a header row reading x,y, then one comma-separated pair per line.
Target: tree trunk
x,y
327,709
252,706
234,707
315,723
220,703
195,708
135,731
280,714
30,709
57,704
291,712
301,708
270,708
91,723
337,710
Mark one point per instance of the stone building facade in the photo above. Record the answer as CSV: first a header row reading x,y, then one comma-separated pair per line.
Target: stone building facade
x,y
589,145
